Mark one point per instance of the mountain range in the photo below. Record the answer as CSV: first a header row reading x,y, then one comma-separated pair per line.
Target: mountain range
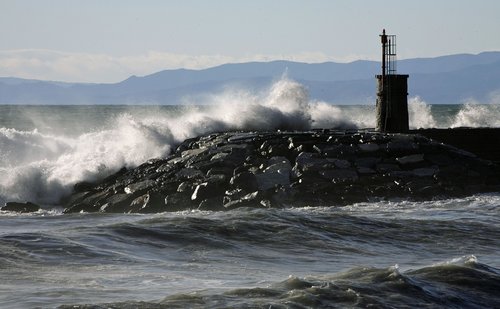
x,y
442,80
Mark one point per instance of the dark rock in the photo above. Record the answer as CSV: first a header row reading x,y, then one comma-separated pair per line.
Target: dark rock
x,y
25,207
307,161
189,173
236,157
152,202
365,171
118,203
340,175
220,156
402,146
83,186
240,169
245,181
439,159
87,202
213,203
341,163
220,171
410,159
207,190
369,147
185,186
278,150
369,162
189,153
187,144
114,177
425,172
387,167
139,186
164,168
249,200
276,174
340,150
178,201
278,159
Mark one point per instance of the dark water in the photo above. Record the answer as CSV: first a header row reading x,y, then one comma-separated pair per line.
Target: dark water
x,y
436,254
389,255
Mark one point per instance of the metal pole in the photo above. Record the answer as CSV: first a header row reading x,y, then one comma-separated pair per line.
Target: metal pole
x,y
384,45
383,96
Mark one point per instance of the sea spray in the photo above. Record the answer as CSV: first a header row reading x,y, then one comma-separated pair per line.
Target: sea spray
x,y
477,115
419,114
41,165
42,168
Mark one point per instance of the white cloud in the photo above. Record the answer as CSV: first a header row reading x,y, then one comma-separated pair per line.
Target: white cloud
x,y
99,68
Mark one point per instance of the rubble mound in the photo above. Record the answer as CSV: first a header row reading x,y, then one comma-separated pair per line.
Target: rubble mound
x,y
227,170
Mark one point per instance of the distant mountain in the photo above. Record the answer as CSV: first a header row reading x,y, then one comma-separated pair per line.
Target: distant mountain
x,y
446,79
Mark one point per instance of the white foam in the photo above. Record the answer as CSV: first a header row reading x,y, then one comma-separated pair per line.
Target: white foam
x,y
477,115
42,168
419,114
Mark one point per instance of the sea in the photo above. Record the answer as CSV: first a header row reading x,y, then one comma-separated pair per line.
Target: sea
x,y
380,254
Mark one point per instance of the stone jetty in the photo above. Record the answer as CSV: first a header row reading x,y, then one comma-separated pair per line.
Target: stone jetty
x,y
222,171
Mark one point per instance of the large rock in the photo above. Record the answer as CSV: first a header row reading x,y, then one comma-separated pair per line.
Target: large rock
x,y
22,207
278,173
245,181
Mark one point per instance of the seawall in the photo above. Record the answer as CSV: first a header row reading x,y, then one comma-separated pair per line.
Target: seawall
x,y
484,142
226,170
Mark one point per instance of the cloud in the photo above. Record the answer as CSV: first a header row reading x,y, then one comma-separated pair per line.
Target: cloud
x,y
101,68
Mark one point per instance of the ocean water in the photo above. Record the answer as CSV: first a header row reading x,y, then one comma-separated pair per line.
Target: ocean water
x,y
434,254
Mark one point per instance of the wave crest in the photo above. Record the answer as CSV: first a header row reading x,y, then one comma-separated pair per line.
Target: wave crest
x,y
42,168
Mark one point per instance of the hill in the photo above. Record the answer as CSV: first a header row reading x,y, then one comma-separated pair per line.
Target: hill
x,y
447,79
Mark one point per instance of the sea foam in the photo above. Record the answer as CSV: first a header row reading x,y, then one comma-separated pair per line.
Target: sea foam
x,y
42,168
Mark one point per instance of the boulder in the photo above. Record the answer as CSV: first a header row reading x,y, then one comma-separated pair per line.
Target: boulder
x,y
340,175
369,162
369,147
139,186
83,186
152,202
188,173
276,174
248,200
22,207
178,201
425,172
342,163
245,181
208,189
415,158
214,203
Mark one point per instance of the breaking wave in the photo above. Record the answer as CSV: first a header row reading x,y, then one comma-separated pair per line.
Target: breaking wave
x,y
477,115
420,114
42,167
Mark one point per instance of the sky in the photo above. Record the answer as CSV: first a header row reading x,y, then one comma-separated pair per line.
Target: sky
x,y
106,41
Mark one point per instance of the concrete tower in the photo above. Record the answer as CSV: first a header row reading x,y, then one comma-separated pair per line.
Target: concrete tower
x,y
392,91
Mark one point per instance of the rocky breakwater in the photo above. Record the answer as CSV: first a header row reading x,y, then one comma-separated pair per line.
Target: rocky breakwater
x,y
280,169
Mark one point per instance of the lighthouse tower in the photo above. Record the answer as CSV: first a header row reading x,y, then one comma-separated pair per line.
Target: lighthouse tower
x,y
392,91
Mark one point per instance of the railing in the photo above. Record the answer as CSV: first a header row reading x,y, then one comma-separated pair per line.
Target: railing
x,y
390,55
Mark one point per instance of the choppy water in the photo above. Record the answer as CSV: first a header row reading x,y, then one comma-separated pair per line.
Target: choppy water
x,y
388,254
399,254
